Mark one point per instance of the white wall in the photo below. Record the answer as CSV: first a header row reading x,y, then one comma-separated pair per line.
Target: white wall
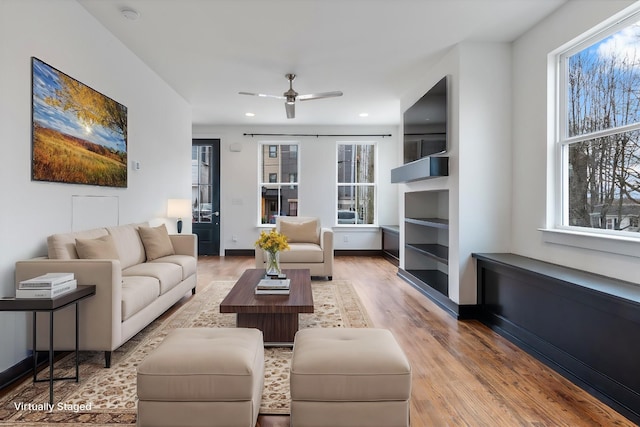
x,y
64,35
530,140
317,191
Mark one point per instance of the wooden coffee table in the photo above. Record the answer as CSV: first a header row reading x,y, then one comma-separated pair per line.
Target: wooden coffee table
x,y
275,315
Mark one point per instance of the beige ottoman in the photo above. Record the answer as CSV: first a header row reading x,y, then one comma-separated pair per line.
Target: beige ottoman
x,y
349,377
203,377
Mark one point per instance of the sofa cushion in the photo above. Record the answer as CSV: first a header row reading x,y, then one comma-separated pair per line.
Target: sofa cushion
x,y
302,252
128,242
301,232
137,293
156,242
100,248
63,246
168,274
188,263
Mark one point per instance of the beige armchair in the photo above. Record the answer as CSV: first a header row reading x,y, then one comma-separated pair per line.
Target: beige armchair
x,y
311,246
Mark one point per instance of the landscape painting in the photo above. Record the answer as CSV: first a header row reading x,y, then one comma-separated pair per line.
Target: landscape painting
x,y
79,135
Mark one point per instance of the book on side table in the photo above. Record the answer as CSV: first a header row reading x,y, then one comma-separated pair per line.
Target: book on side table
x,y
49,285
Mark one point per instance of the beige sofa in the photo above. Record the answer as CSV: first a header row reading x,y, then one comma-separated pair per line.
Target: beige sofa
x,y
311,246
139,272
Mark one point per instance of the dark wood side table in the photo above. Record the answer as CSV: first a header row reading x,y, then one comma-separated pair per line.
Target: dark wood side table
x,y
50,305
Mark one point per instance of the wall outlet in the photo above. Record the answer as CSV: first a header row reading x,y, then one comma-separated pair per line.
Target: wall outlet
x,y
234,238
345,238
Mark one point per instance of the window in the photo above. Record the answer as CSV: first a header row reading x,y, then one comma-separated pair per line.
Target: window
x,y
278,198
356,181
599,132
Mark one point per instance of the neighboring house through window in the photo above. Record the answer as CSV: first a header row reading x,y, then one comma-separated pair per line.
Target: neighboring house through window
x,y
278,198
356,183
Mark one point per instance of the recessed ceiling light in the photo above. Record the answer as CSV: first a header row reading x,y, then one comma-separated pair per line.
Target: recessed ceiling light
x,y
130,14
364,114
249,114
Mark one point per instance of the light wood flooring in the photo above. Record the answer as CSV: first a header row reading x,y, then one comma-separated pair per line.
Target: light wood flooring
x,y
464,374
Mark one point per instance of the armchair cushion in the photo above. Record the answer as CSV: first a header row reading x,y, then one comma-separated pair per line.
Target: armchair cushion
x,y
100,248
301,232
156,241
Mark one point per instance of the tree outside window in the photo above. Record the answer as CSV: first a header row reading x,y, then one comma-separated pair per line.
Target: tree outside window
x,y
600,132
356,184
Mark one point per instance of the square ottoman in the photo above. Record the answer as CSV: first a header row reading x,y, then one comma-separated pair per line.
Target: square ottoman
x,y
202,377
349,377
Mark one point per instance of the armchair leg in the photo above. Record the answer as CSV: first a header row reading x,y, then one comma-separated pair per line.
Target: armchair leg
x,y
107,359
330,277
193,291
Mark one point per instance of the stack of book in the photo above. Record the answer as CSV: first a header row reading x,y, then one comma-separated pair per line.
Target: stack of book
x,y
49,285
273,287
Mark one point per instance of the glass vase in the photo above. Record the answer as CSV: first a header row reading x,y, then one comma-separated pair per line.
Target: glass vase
x,y
273,263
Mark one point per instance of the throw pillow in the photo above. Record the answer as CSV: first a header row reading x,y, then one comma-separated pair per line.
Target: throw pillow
x,y
156,242
300,232
101,248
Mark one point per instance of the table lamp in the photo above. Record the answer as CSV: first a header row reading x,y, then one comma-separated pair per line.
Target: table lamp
x,y
178,208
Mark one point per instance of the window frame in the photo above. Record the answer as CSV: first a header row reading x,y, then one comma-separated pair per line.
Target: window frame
x,y
279,183
557,229
374,184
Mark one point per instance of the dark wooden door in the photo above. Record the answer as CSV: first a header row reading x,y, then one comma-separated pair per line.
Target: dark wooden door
x,y
205,199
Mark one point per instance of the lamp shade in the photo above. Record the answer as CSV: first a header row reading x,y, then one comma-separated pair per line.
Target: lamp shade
x,y
178,208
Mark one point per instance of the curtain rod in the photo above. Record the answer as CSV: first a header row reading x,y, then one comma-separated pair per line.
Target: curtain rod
x,y
316,135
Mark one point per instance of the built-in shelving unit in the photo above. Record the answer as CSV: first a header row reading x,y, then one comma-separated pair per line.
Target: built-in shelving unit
x,y
427,239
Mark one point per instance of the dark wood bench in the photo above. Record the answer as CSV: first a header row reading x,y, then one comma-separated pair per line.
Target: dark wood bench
x,y
583,325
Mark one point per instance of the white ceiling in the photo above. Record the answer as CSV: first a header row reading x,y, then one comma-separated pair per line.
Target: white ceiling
x,y
209,50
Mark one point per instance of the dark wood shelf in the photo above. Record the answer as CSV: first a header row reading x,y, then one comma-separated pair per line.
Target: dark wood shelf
x,y
424,168
429,222
434,251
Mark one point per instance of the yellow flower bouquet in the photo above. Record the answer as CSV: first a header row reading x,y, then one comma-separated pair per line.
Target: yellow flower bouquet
x,y
272,242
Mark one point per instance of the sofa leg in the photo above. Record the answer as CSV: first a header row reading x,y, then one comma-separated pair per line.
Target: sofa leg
x,y
330,277
107,359
193,291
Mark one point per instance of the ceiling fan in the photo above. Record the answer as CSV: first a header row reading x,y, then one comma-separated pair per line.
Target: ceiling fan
x,y
291,95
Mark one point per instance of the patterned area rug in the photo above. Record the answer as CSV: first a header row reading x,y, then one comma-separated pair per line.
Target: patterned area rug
x,y
107,397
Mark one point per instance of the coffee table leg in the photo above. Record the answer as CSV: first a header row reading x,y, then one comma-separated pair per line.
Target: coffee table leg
x,y
35,352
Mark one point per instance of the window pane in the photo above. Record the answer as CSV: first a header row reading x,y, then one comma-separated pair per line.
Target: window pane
x,y
289,164
364,164
604,182
346,163
270,165
270,203
602,84
366,204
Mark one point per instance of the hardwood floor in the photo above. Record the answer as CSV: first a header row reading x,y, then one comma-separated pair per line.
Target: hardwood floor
x,y
464,374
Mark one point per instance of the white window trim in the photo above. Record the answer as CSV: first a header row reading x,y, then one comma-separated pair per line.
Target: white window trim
x,y
374,185
620,243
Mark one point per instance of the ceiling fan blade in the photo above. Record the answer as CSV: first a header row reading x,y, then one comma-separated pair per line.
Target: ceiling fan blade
x,y
320,95
262,95
290,107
